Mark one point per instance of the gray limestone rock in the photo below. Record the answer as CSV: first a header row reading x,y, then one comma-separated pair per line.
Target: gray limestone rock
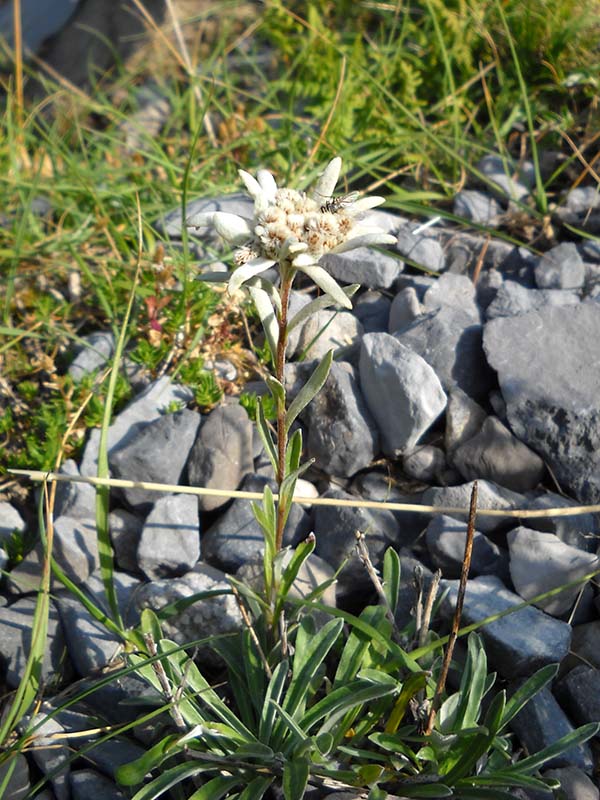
x,y
16,622
148,406
496,454
236,537
222,453
426,464
379,486
402,391
513,298
335,529
90,644
372,309
50,756
371,268
579,694
76,547
19,783
542,722
327,330
560,268
405,309
456,291
487,287
580,531
478,207
125,531
540,562
420,248
75,500
585,647
450,341
517,644
204,618
157,454
489,496
513,180
464,418
556,411
86,783
342,434
10,520
98,348
574,783
446,539
170,540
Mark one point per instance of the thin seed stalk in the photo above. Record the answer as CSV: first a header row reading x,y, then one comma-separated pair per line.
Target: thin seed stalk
x,y
286,285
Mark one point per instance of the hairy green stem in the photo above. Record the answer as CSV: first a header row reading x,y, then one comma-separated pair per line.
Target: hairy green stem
x,y
286,285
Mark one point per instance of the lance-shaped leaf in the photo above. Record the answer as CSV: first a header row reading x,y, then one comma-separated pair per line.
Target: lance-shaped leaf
x,y
266,313
365,240
324,281
276,389
328,179
247,271
265,435
295,778
318,305
309,390
391,577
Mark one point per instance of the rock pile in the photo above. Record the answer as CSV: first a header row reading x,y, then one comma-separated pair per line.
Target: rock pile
x,y
444,380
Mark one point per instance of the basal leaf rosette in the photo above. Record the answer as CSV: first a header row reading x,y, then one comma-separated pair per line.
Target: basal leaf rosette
x,y
292,229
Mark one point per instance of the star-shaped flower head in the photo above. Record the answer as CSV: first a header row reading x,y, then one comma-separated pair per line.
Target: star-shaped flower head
x,y
293,229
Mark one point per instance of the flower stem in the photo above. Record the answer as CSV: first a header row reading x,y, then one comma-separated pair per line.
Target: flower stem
x,y
286,285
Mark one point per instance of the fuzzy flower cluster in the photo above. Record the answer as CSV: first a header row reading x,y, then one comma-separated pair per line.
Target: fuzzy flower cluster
x,y
293,229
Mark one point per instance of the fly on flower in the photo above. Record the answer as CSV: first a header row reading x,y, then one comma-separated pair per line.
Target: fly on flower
x,y
335,204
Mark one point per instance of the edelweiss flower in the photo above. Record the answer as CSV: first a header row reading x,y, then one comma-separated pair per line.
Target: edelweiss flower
x,y
294,230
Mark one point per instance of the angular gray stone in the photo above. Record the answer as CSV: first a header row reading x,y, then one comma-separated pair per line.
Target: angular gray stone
x,y
496,454
456,291
513,180
574,783
405,309
513,298
203,619
143,409
76,547
335,530
50,756
329,330
540,562
556,411
419,282
489,496
402,391
10,520
560,268
86,783
342,434
542,722
222,453
579,531
75,500
125,531
108,755
90,644
579,694
464,418
98,348
585,647
446,539
425,464
16,622
421,249
18,784
451,343
489,282
478,207
370,268
517,644
170,540
379,486
157,454
236,537
372,309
